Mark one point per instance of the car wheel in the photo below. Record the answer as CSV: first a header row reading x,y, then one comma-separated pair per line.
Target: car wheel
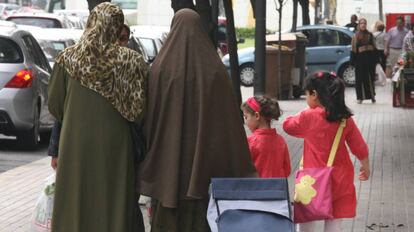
x,y
247,74
30,138
347,73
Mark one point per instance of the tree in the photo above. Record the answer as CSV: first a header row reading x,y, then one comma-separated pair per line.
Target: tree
x,y
381,13
304,4
279,8
93,3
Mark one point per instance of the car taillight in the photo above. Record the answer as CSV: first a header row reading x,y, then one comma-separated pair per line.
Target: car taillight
x,y
22,79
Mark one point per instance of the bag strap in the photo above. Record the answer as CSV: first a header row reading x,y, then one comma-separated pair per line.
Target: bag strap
x,y
335,145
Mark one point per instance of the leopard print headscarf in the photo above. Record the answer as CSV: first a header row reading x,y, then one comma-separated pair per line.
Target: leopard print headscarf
x,y
101,65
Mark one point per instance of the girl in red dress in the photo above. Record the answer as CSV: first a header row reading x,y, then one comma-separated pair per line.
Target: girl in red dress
x,y
318,125
268,149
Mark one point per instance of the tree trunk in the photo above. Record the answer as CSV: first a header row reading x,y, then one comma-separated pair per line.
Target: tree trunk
x,y
279,60
232,45
295,15
304,4
93,3
381,13
260,49
177,5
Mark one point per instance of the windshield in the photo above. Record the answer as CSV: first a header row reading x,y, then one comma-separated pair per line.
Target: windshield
x,y
10,52
36,21
51,48
126,4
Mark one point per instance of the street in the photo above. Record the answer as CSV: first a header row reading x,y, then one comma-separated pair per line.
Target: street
x,y
12,155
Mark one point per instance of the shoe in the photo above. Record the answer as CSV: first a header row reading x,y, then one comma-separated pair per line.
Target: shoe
x,y
359,101
373,100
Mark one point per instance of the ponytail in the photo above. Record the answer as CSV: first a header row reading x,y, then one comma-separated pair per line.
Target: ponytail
x,y
331,94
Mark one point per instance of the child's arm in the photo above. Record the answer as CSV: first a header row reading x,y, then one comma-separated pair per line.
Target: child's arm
x,y
295,125
359,148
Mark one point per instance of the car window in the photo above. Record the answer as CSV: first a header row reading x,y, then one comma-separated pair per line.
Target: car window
x,y
149,46
36,21
327,37
10,52
51,48
345,39
35,52
310,35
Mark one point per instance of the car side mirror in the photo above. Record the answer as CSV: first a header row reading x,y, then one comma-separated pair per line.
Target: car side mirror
x,y
241,40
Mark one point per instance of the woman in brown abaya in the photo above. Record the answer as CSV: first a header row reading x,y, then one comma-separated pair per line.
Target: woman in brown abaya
x,y
193,128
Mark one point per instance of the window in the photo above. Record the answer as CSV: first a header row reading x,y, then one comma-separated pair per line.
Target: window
x,y
37,21
310,35
345,39
126,4
149,46
10,52
36,53
326,37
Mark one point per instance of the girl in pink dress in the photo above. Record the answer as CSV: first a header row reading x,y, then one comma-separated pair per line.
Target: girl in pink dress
x,y
318,125
268,149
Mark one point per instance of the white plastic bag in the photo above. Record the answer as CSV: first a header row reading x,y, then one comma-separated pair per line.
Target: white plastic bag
x,y
41,220
381,78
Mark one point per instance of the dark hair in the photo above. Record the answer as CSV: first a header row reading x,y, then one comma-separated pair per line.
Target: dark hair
x,y
412,25
126,27
331,94
269,107
400,17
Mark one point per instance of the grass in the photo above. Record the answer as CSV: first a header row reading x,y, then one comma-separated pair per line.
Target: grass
x,y
249,42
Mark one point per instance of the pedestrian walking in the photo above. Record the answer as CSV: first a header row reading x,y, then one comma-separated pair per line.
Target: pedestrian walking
x,y
96,90
363,58
268,149
408,43
193,128
55,135
379,40
394,43
318,126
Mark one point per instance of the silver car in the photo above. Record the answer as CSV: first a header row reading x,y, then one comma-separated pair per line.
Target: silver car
x,y
24,77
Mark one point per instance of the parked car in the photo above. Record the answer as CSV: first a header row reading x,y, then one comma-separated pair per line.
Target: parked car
x,y
151,37
328,48
7,9
25,74
43,20
52,40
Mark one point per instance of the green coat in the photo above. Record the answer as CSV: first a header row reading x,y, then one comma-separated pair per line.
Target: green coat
x,y
95,179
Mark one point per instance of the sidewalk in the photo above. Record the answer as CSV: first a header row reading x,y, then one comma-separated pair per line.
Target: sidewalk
x,y
385,202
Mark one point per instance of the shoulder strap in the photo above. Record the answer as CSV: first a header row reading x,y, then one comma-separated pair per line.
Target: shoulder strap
x,y
335,145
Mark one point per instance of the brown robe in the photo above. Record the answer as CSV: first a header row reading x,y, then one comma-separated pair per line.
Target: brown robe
x,y
193,127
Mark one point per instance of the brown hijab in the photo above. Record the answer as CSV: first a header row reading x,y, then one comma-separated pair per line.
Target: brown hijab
x,y
193,128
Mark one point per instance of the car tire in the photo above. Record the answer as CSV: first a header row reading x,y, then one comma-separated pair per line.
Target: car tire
x,y
30,138
247,74
347,73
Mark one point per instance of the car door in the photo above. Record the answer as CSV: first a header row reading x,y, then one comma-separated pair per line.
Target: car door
x,y
42,73
324,49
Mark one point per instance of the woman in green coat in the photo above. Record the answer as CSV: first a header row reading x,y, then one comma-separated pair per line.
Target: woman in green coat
x,y
95,91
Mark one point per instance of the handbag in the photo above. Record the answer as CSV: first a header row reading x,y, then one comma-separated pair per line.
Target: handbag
x,y
313,188
249,204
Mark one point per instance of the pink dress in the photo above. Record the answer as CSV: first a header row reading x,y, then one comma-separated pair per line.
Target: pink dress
x,y
319,134
269,153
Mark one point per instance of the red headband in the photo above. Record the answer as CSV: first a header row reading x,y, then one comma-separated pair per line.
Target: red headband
x,y
253,104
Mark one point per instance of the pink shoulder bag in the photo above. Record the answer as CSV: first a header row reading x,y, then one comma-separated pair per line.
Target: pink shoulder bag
x,y
313,188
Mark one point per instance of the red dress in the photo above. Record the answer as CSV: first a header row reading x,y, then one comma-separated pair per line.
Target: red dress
x,y
319,134
269,153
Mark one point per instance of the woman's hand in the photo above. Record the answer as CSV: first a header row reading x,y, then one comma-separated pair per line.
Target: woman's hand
x,y
364,171
53,162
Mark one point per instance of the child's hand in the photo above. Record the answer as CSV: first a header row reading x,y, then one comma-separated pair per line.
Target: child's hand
x,y
363,174
364,170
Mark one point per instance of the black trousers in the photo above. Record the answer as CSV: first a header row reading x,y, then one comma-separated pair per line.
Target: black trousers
x,y
365,75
